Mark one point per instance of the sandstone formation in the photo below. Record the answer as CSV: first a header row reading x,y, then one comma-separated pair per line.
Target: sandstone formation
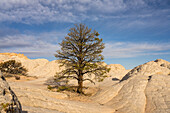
x,y
157,67
35,98
14,54
146,88
37,67
45,68
8,100
117,71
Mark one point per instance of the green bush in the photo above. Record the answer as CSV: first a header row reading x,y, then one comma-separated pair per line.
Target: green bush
x,y
49,87
12,67
66,88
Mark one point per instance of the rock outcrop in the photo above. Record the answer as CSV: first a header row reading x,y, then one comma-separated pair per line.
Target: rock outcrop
x,y
14,55
36,98
37,67
8,100
117,71
157,67
45,68
144,89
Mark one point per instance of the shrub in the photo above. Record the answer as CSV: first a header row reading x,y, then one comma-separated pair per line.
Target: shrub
x,y
4,106
49,87
66,88
12,67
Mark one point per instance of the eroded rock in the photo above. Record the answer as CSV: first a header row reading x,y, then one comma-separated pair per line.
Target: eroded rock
x,y
36,67
117,71
8,100
146,88
157,67
158,94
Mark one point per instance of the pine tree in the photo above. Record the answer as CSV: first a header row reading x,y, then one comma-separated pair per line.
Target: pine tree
x,y
81,55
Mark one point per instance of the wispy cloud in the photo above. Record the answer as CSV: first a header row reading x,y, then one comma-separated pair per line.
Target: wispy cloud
x,y
34,45
129,49
44,11
46,44
115,15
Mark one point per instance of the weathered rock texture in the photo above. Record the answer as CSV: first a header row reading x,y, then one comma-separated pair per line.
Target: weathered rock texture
x,y
146,88
44,68
117,71
157,67
158,94
14,54
8,100
36,98
37,67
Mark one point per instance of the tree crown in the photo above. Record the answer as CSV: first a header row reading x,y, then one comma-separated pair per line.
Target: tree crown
x,y
81,54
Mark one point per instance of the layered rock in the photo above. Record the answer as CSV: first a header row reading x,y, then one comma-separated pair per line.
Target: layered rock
x,y
157,67
117,71
44,68
37,67
36,98
158,94
144,89
14,55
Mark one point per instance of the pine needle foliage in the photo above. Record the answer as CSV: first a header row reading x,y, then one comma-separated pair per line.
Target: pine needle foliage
x,y
81,55
12,67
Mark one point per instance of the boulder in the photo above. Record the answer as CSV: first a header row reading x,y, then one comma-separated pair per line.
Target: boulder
x,y
8,100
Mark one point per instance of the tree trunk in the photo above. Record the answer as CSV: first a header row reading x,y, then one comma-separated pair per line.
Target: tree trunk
x,y
80,85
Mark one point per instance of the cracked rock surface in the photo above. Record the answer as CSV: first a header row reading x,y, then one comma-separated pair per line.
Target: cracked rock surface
x,y
145,89
36,98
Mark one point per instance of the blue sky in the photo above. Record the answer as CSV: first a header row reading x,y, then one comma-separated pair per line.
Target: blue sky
x,y
134,31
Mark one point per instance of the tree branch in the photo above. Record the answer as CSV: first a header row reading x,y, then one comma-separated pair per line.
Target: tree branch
x,y
67,77
90,71
89,80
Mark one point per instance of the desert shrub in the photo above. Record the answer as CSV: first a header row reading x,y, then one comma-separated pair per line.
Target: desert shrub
x,y
17,77
66,88
49,87
4,106
62,88
12,67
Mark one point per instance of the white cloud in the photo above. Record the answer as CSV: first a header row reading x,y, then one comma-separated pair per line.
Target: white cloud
x,y
46,44
127,49
42,11
33,45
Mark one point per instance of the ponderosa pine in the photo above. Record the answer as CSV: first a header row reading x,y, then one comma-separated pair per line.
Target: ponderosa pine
x,y
81,55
